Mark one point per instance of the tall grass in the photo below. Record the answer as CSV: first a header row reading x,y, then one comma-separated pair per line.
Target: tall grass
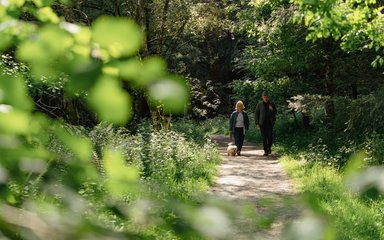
x,y
324,191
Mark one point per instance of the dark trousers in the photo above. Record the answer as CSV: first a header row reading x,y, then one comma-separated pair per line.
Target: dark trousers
x,y
239,138
266,134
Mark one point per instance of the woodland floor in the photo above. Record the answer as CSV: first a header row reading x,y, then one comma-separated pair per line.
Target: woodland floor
x,y
260,181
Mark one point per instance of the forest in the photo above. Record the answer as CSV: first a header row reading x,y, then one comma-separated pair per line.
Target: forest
x,y
107,108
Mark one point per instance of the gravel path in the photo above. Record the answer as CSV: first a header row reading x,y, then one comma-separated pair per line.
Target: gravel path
x,y
261,181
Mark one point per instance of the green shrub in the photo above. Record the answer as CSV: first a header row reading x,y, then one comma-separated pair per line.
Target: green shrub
x,y
373,146
199,131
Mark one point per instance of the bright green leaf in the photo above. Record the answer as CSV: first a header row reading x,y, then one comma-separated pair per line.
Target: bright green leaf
x,y
171,93
116,168
13,121
46,14
130,70
18,3
121,37
355,164
142,74
110,102
14,92
154,68
6,41
43,3
80,146
51,43
121,177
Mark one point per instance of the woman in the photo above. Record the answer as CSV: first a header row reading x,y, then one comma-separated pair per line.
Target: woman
x,y
238,125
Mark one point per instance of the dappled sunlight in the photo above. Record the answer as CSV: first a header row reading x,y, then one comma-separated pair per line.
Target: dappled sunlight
x,y
260,180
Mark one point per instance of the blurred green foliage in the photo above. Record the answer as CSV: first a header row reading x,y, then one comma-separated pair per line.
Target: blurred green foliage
x,y
337,212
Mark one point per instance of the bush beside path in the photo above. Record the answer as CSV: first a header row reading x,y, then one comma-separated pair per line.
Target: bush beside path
x,y
260,180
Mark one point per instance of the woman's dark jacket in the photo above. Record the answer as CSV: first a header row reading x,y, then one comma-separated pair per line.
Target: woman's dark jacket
x,y
232,121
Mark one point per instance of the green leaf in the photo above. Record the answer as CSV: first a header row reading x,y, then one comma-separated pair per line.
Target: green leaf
x,y
110,102
171,93
13,92
13,121
142,74
129,70
6,41
18,3
154,68
83,73
44,50
43,3
120,37
46,14
121,177
51,43
355,164
80,146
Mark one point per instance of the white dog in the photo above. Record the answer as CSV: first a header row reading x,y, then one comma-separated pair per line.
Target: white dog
x,y
231,150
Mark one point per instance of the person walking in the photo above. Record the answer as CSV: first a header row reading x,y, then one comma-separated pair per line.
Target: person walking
x,y
265,117
238,125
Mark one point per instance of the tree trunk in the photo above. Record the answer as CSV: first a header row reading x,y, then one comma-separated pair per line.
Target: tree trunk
x,y
117,6
329,47
162,28
330,89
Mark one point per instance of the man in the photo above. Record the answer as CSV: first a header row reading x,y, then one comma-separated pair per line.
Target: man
x,y
265,117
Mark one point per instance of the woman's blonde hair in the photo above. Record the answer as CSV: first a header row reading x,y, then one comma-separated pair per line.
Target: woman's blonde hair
x,y
239,106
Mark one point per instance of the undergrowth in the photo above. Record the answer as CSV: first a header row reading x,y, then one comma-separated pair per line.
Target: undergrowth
x,y
324,191
172,166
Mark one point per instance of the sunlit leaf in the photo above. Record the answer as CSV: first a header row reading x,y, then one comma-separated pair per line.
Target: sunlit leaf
x,y
5,42
50,44
43,3
140,73
171,93
18,3
154,68
80,146
14,122
355,164
13,92
83,36
120,175
44,50
110,102
121,37
46,14
130,69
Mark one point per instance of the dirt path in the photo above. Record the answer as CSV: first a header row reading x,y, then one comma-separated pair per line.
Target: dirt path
x,y
260,180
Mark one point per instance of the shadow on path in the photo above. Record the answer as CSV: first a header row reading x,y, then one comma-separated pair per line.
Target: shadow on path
x,y
260,180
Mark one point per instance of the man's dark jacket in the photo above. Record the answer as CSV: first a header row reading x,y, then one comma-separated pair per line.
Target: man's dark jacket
x,y
260,113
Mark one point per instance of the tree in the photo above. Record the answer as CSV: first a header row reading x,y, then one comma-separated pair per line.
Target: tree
x,y
355,25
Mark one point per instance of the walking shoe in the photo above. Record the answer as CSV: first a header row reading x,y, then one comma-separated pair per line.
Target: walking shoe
x,y
238,153
265,154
